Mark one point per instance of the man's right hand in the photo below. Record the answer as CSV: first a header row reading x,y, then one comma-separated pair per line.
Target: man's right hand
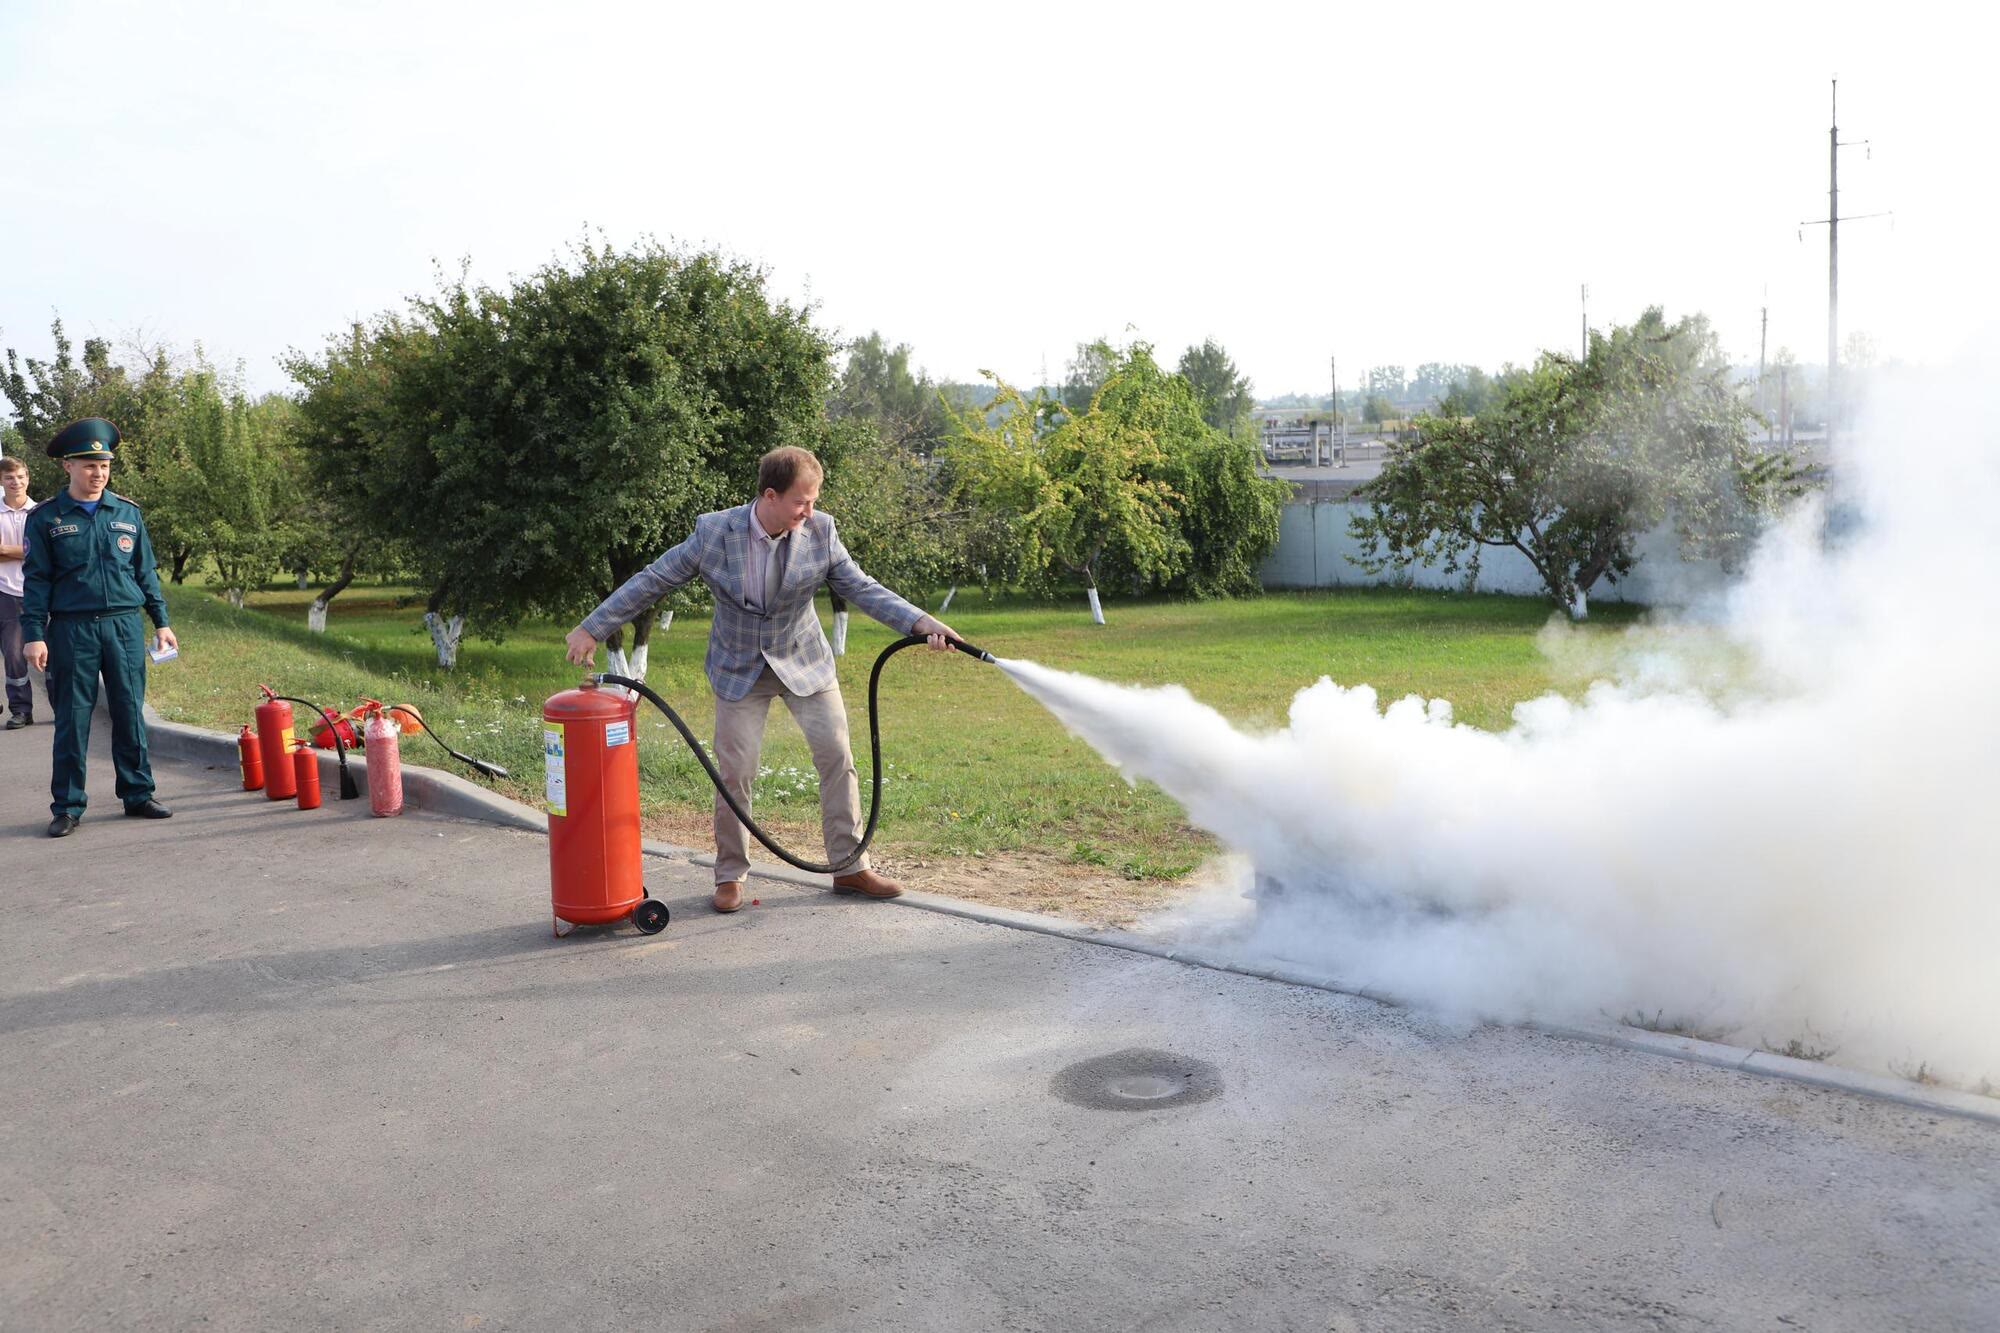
x,y
38,654
582,648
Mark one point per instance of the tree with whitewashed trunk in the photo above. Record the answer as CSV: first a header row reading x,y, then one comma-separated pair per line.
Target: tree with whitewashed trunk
x,y
342,440
1074,486
539,445
1574,459
892,515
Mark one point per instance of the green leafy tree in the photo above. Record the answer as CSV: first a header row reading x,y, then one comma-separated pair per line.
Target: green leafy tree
x,y
1575,461
1224,394
1068,487
1094,363
550,440
48,395
213,472
878,386
203,461
1385,381
894,516
1136,487
1470,394
1225,515
1433,379
349,481
1229,511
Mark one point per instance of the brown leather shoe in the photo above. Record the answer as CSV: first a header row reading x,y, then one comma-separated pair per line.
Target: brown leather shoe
x,y
868,882
728,896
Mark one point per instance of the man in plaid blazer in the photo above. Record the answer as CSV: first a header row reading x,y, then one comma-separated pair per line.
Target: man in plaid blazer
x,y
763,561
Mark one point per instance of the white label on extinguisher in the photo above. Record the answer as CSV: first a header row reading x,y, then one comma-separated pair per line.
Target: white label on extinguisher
x,y
552,758
617,733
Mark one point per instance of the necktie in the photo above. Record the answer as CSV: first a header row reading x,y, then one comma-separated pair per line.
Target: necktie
x,y
774,573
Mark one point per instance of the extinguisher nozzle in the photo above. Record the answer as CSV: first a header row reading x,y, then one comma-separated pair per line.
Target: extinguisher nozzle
x,y
348,788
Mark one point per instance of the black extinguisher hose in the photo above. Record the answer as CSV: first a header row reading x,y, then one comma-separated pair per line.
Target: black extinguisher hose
x,y
489,768
348,789
874,754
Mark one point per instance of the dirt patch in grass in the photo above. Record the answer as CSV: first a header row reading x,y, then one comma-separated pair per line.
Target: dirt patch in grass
x,y
1023,880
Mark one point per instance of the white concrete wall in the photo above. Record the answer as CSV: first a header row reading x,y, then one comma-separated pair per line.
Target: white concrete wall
x,y
1314,544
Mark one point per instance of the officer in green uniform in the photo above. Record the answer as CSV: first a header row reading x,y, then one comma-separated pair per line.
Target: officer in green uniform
x,y
88,574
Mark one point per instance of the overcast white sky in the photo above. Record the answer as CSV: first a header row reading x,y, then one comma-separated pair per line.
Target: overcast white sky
x,y
991,184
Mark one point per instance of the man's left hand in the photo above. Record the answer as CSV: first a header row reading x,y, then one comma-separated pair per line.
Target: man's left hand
x,y
936,632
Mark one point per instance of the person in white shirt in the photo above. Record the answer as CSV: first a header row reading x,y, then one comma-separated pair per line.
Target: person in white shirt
x,y
14,507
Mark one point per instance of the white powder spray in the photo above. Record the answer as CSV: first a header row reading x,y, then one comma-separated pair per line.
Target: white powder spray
x,y
1800,845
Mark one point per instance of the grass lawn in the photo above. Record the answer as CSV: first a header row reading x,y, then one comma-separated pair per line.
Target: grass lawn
x,y
985,794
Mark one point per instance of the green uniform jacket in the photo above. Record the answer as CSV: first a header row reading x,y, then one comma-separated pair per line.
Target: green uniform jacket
x,y
83,562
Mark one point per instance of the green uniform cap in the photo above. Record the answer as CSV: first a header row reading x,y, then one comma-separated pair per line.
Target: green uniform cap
x,y
92,437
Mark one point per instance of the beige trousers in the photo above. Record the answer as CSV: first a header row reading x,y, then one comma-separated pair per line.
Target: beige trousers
x,y
739,739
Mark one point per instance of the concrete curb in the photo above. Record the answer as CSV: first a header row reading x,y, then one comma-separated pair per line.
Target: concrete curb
x,y
439,793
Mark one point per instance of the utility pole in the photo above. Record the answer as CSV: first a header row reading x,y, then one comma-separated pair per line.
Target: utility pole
x,y
1336,425
1583,340
1833,267
1763,340
1832,222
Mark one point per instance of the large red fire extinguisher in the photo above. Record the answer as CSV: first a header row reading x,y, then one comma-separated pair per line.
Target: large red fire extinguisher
x,y
591,758
274,739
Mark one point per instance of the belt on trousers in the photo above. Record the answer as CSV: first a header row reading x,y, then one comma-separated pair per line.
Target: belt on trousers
x,y
93,615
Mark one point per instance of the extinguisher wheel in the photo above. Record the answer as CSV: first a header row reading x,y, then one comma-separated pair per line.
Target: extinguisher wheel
x,y
650,916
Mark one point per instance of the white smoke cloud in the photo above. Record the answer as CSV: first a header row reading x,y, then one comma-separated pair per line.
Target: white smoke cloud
x,y
1773,819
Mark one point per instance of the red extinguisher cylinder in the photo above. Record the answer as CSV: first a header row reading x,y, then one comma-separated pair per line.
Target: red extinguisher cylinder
x,y
305,775
596,872
274,740
385,765
253,759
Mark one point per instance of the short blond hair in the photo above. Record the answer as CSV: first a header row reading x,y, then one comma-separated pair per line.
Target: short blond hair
x,y
781,469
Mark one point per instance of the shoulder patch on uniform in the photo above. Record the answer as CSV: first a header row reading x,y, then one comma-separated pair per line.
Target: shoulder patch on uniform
x,y
124,526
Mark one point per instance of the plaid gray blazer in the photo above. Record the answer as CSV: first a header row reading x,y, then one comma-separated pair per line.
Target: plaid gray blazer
x,y
741,640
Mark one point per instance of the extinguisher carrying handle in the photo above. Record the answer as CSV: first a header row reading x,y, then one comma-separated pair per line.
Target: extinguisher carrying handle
x,y
874,754
348,789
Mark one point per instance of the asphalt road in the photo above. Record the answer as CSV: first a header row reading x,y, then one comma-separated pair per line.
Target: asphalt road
x,y
266,1068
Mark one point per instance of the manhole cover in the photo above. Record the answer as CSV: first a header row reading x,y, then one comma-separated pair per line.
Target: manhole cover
x,y
1137,1080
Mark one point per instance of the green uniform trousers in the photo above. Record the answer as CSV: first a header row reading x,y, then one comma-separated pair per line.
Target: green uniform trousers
x,y
81,646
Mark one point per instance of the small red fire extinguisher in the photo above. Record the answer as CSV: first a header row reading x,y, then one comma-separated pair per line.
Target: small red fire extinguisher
x,y
385,764
253,759
305,775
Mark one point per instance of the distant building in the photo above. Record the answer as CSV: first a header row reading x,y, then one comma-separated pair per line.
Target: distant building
x,y
1301,437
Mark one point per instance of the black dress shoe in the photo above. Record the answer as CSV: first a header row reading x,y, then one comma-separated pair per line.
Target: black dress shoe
x,y
63,825
19,720
149,809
